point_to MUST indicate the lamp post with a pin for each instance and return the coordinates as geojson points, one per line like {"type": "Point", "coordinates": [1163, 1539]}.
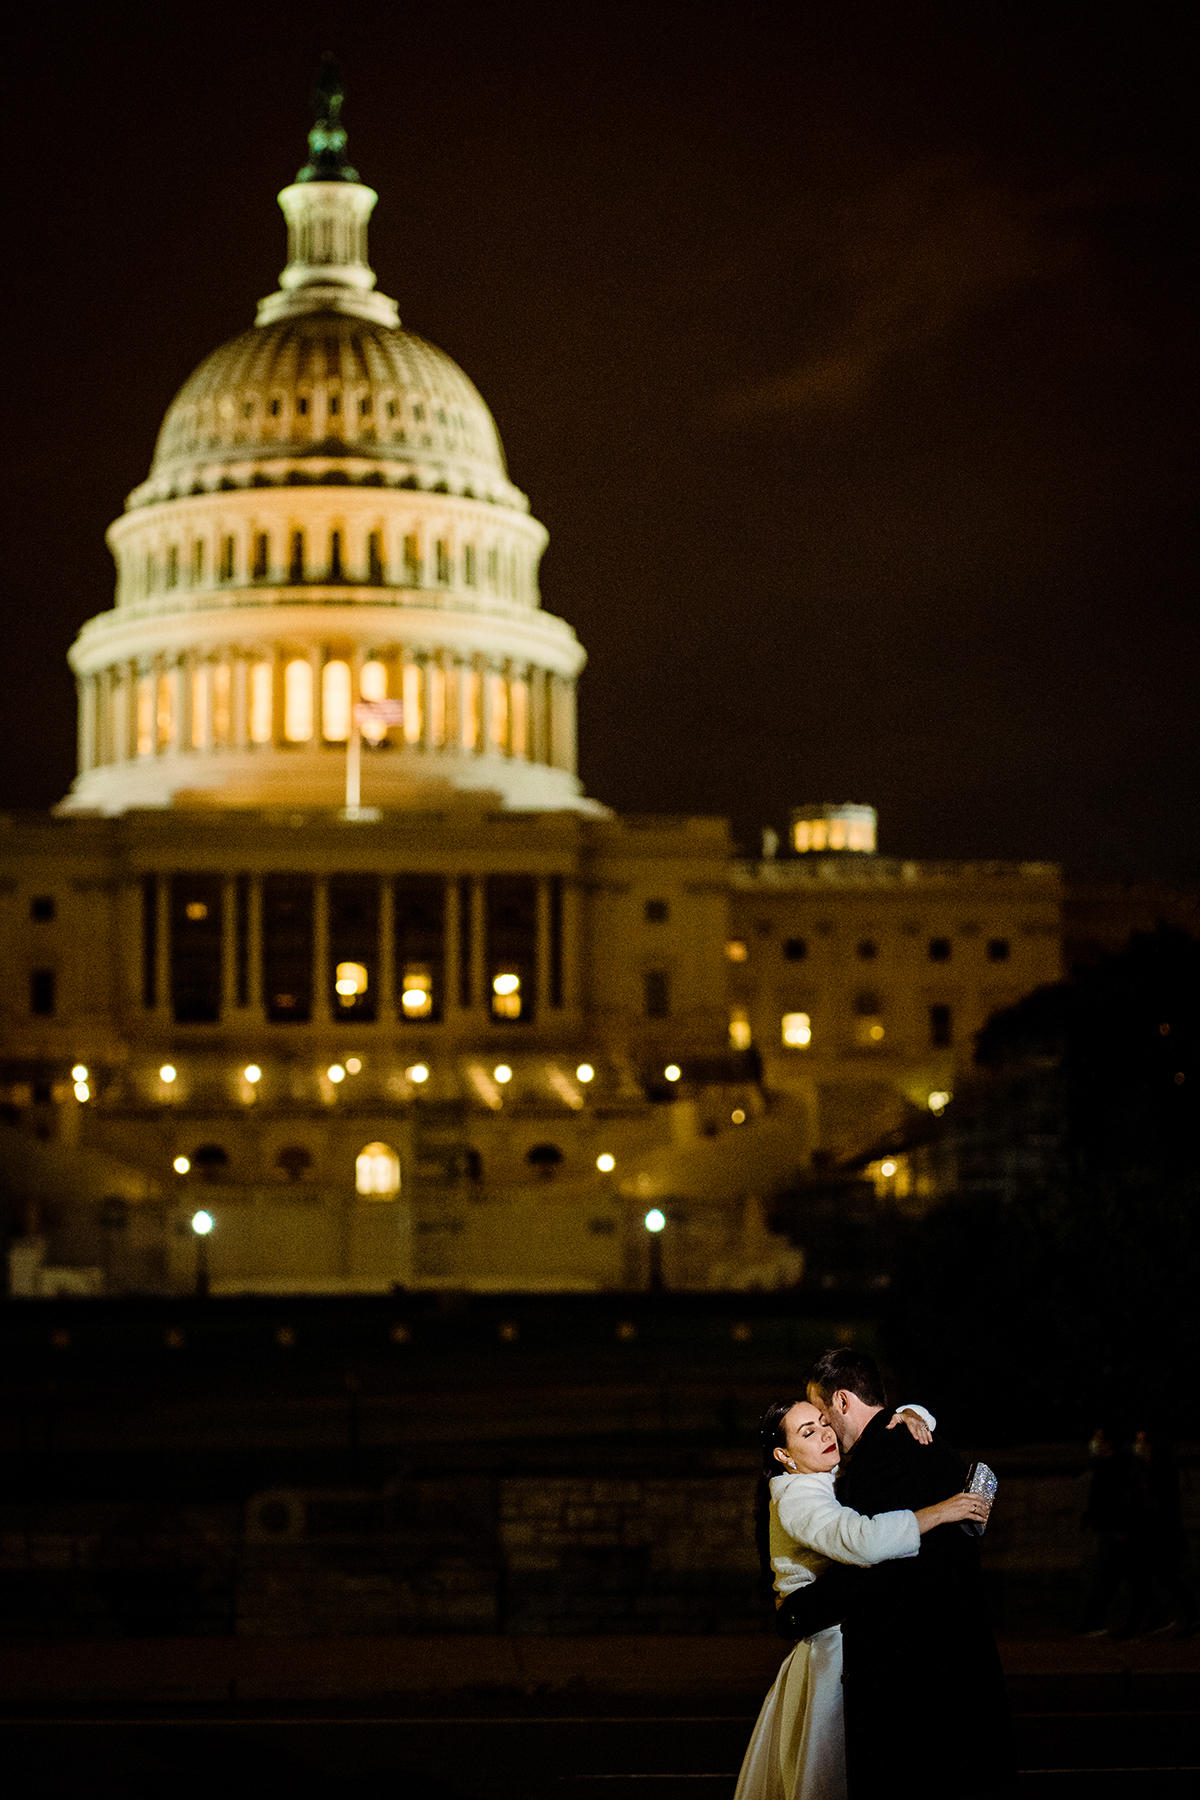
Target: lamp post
{"type": "Point", "coordinates": [202, 1224]}
{"type": "Point", "coordinates": [654, 1222]}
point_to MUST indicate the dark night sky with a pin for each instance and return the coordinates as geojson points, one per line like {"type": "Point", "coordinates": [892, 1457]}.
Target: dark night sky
{"type": "Point", "coordinates": [844, 351]}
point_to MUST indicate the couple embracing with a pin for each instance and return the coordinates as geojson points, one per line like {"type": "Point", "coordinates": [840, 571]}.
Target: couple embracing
{"type": "Point", "coordinates": [895, 1684]}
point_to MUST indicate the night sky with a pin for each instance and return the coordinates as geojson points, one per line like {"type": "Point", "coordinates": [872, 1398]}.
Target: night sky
{"type": "Point", "coordinates": [845, 352]}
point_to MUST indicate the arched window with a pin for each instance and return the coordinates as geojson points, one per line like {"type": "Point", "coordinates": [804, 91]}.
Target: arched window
{"type": "Point", "coordinates": [199, 707]}
{"type": "Point", "coordinates": [335, 702]}
{"type": "Point", "coordinates": [373, 685]}
{"type": "Point", "coordinates": [377, 1172]}
{"type": "Point", "coordinates": [413, 720]}
{"type": "Point", "coordinates": [145, 715]}
{"type": "Point", "coordinates": [297, 701]}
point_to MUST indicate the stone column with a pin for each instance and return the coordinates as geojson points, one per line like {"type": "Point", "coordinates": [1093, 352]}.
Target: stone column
{"type": "Point", "coordinates": [254, 950]}
{"type": "Point", "coordinates": [320, 1008]}
{"type": "Point", "coordinates": [451, 938]}
{"type": "Point", "coordinates": [479, 988]}
{"type": "Point", "coordinates": [162, 966]}
{"type": "Point", "coordinates": [541, 1002]}
{"type": "Point", "coordinates": [229, 923]}
{"type": "Point", "coordinates": [385, 1005]}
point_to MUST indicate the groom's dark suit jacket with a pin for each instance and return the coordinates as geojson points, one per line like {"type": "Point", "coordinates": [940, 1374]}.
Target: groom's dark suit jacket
{"type": "Point", "coordinates": [920, 1660]}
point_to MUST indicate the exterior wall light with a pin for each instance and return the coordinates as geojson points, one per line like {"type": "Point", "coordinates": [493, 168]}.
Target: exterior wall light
{"type": "Point", "coordinates": [336, 1073]}
{"type": "Point", "coordinates": [606, 1163]}
{"type": "Point", "coordinates": [350, 982]}
{"type": "Point", "coordinates": [654, 1220]}
{"type": "Point", "coordinates": [418, 1073]}
{"type": "Point", "coordinates": [887, 1168]}
{"type": "Point", "coordinates": [672, 1071]}
{"type": "Point", "coordinates": [82, 1090]}
{"type": "Point", "coordinates": [738, 1116]}
{"type": "Point", "coordinates": [502, 1073]}
{"type": "Point", "coordinates": [506, 995]}
{"type": "Point", "coordinates": [938, 1101]}
{"type": "Point", "coordinates": [79, 1073]}
{"type": "Point", "coordinates": [797, 1030]}
{"type": "Point", "coordinates": [202, 1223]}
{"type": "Point", "coordinates": [252, 1072]}
{"type": "Point", "coordinates": [585, 1072]}
{"type": "Point", "coordinates": [353, 1065]}
{"type": "Point", "coordinates": [181, 1165]}
{"type": "Point", "coordinates": [167, 1073]}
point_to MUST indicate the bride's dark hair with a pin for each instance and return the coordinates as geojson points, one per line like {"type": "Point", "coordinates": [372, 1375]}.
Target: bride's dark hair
{"type": "Point", "coordinates": [771, 1436]}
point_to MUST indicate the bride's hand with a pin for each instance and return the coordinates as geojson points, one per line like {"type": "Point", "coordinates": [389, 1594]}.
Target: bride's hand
{"type": "Point", "coordinates": [959, 1507]}
{"type": "Point", "coordinates": [915, 1423]}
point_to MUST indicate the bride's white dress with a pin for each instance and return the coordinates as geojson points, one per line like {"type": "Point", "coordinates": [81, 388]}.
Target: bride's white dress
{"type": "Point", "coordinates": [797, 1750]}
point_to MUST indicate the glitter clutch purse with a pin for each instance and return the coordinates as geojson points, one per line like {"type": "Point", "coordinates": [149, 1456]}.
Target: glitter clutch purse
{"type": "Point", "coordinates": [980, 1480]}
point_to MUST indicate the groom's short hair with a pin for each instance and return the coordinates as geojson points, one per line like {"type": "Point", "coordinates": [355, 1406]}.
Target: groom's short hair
{"type": "Point", "coordinates": [851, 1370]}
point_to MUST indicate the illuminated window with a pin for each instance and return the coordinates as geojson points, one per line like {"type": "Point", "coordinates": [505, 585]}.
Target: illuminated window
{"type": "Point", "coordinates": [414, 712]}
{"type": "Point", "coordinates": [998, 949]}
{"type": "Point", "coordinates": [350, 981]}
{"type": "Point", "coordinates": [261, 681]}
{"type": "Point", "coordinates": [797, 1030]}
{"type": "Point", "coordinates": [435, 678]}
{"type": "Point", "coordinates": [335, 702]}
{"type": "Point", "coordinates": [939, 949]}
{"type": "Point", "coordinates": [739, 1029]}
{"type": "Point", "coordinates": [164, 713]}
{"type": "Point", "coordinates": [298, 701]}
{"type": "Point", "coordinates": [837, 834]}
{"type": "Point", "coordinates": [497, 711]}
{"type": "Point", "coordinates": [377, 1171]}
{"type": "Point", "coordinates": [262, 557]}
{"type": "Point", "coordinates": [469, 708]}
{"type": "Point", "coordinates": [656, 912]}
{"type": "Point", "coordinates": [519, 697]}
{"type": "Point", "coordinates": [469, 565]}
{"type": "Point", "coordinates": [222, 712]}
{"type": "Point", "coordinates": [443, 560]}
{"type": "Point", "coordinates": [736, 950]}
{"type": "Point", "coordinates": [412, 562]}
{"type": "Point", "coordinates": [506, 995]}
{"type": "Point", "coordinates": [941, 1027]}
{"type": "Point", "coordinates": [296, 557]}
{"type": "Point", "coordinates": [416, 993]}
{"type": "Point", "coordinates": [145, 715]}
{"type": "Point", "coordinates": [199, 708]}
{"type": "Point", "coordinates": [795, 949]}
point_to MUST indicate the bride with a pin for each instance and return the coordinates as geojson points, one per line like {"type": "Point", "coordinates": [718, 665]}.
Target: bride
{"type": "Point", "coordinates": [797, 1750]}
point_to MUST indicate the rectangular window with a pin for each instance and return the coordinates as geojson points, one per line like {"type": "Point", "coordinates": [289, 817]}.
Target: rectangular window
{"type": "Point", "coordinates": [796, 1030]}
{"type": "Point", "coordinates": [657, 912]}
{"type": "Point", "coordinates": [420, 946]}
{"type": "Point", "coordinates": [353, 976]}
{"type": "Point", "coordinates": [287, 930]}
{"type": "Point", "coordinates": [262, 556]}
{"type": "Point", "coordinates": [412, 563]}
{"type": "Point", "coordinates": [469, 565]}
{"type": "Point", "coordinates": [336, 572]}
{"type": "Point", "coordinates": [465, 903]}
{"type": "Point", "coordinates": [196, 934]}
{"type": "Point", "coordinates": [145, 715]}
{"type": "Point", "coordinates": [493, 567]}
{"type": "Point", "coordinates": [173, 566]}
{"type": "Point", "coordinates": [375, 558]}
{"type": "Point", "coordinates": [511, 925]}
{"type": "Point", "coordinates": [443, 561]}
{"type": "Point", "coordinates": [939, 949]}
{"type": "Point", "coordinates": [262, 681]}
{"type": "Point", "coordinates": [998, 949]}
{"type": "Point", "coordinates": [941, 1027]}
{"type": "Point", "coordinates": [198, 562]}
{"type": "Point", "coordinates": [149, 940]}
{"type": "Point", "coordinates": [497, 693]}
{"type": "Point", "coordinates": [414, 720]}
{"type": "Point", "coordinates": [296, 557]}
{"type": "Point", "coordinates": [165, 714]}
{"type": "Point", "coordinates": [656, 993]}
{"type": "Point", "coordinates": [468, 715]}
{"type": "Point", "coordinates": [222, 709]}
{"type": "Point", "coordinates": [41, 993]}
{"type": "Point", "coordinates": [199, 708]}
{"type": "Point", "coordinates": [227, 559]}
{"type": "Point", "coordinates": [241, 942]}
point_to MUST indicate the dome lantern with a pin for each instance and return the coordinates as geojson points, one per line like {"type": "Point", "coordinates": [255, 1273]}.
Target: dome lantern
{"type": "Point", "coordinates": [327, 209]}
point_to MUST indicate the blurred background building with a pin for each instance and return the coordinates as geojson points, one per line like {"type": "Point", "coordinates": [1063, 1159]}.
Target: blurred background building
{"type": "Point", "coordinates": [449, 1023]}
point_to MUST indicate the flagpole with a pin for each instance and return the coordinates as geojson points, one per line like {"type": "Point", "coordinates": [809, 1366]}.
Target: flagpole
{"type": "Point", "coordinates": [353, 766]}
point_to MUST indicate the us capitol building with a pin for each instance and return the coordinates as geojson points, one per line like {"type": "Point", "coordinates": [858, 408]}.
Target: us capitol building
{"type": "Point", "coordinates": [455, 1024]}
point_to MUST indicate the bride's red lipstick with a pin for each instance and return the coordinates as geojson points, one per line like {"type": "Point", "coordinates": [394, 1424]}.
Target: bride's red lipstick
{"type": "Point", "coordinates": [829, 1450]}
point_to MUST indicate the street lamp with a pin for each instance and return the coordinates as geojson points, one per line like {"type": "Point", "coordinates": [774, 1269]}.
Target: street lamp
{"type": "Point", "coordinates": [202, 1224]}
{"type": "Point", "coordinates": [654, 1221]}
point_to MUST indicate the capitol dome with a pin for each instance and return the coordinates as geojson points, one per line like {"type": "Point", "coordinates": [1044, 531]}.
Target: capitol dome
{"type": "Point", "coordinates": [322, 394]}
{"type": "Point", "coordinates": [327, 549]}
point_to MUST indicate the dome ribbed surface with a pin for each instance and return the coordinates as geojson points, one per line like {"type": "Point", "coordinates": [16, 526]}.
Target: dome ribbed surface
{"type": "Point", "coordinates": [326, 384]}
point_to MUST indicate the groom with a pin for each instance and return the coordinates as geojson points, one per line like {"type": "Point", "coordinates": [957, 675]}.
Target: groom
{"type": "Point", "coordinates": [919, 1659]}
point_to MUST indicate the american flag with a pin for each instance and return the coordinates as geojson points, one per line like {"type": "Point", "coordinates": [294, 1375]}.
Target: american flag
{"type": "Point", "coordinates": [380, 713]}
